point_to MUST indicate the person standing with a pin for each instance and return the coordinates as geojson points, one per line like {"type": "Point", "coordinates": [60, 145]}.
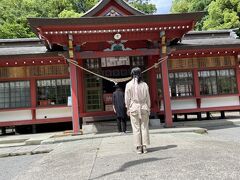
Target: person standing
{"type": "Point", "coordinates": [120, 109]}
{"type": "Point", "coordinates": [137, 100]}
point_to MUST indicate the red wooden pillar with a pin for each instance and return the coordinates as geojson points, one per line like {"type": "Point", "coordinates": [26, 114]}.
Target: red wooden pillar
{"type": "Point", "coordinates": [81, 88]}
{"type": "Point", "coordinates": [33, 98]}
{"type": "Point", "coordinates": [196, 88]}
{"type": "Point", "coordinates": [74, 94]}
{"type": "Point", "coordinates": [153, 84]}
{"type": "Point", "coordinates": [165, 83]}
{"type": "Point", "coordinates": [238, 72]}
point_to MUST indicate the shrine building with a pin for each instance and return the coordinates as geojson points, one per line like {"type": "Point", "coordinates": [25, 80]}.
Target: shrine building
{"type": "Point", "coordinates": [51, 80]}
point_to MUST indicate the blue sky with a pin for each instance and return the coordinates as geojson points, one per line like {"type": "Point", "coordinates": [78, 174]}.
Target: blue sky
{"type": "Point", "coordinates": [163, 6]}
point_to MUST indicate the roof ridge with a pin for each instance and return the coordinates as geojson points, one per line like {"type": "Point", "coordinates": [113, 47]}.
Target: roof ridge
{"type": "Point", "coordinates": [102, 3]}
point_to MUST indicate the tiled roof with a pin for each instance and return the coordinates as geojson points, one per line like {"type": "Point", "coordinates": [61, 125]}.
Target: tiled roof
{"type": "Point", "coordinates": [100, 21]}
{"type": "Point", "coordinates": [103, 3]}
{"type": "Point", "coordinates": [22, 50]}
{"type": "Point", "coordinates": [21, 46]}
{"type": "Point", "coordinates": [209, 39]}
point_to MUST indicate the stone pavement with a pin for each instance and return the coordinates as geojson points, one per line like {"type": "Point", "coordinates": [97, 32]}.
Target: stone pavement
{"type": "Point", "coordinates": [171, 156]}
{"type": "Point", "coordinates": [13, 145]}
{"type": "Point", "coordinates": [41, 143]}
{"type": "Point", "coordinates": [26, 150]}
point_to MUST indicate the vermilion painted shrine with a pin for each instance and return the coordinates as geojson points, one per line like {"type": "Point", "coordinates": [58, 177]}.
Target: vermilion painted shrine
{"type": "Point", "coordinates": [201, 73]}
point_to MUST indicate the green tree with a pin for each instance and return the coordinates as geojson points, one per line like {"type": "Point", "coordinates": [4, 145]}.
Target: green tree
{"type": "Point", "coordinates": [180, 6]}
{"type": "Point", "coordinates": [69, 14]}
{"type": "Point", "coordinates": [144, 6]}
{"type": "Point", "coordinates": [223, 14]}
{"type": "Point", "coordinates": [14, 13]}
{"type": "Point", "coordinates": [220, 14]}
{"type": "Point", "coordinates": [83, 6]}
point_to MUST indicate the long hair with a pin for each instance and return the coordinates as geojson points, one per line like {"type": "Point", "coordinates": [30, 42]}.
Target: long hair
{"type": "Point", "coordinates": [136, 73]}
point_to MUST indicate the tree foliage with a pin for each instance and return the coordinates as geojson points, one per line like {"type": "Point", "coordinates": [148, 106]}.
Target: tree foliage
{"type": "Point", "coordinates": [221, 14]}
{"type": "Point", "coordinates": [14, 13]}
{"type": "Point", "coordinates": [144, 6]}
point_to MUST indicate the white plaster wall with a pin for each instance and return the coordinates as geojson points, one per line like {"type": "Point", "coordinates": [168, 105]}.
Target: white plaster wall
{"type": "Point", "coordinates": [177, 104]}
{"type": "Point", "coordinates": [220, 101]}
{"type": "Point", "coordinates": [53, 113]}
{"type": "Point", "coordinates": [15, 115]}
{"type": "Point", "coordinates": [183, 104]}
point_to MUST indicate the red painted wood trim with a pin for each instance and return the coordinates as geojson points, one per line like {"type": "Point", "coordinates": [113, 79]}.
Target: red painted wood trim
{"type": "Point", "coordinates": [196, 85]}
{"type": "Point", "coordinates": [212, 109]}
{"type": "Point", "coordinates": [223, 108]}
{"type": "Point", "coordinates": [203, 69]}
{"type": "Point", "coordinates": [153, 84]}
{"type": "Point", "coordinates": [37, 121]}
{"type": "Point", "coordinates": [38, 107]}
{"type": "Point", "coordinates": [210, 96]}
{"type": "Point", "coordinates": [238, 77]}
{"type": "Point", "coordinates": [166, 94]}
{"type": "Point", "coordinates": [114, 27]}
{"type": "Point", "coordinates": [210, 52]}
{"type": "Point", "coordinates": [135, 36]}
{"type": "Point", "coordinates": [81, 85]}
{"type": "Point", "coordinates": [97, 54]}
{"type": "Point", "coordinates": [74, 86]}
{"type": "Point", "coordinates": [36, 78]}
{"type": "Point", "coordinates": [75, 110]}
{"type": "Point", "coordinates": [33, 97]}
{"type": "Point", "coordinates": [18, 60]}
{"type": "Point", "coordinates": [33, 93]}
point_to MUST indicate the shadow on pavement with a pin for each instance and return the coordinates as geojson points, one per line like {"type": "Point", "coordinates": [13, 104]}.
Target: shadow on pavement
{"type": "Point", "coordinates": [126, 165]}
{"type": "Point", "coordinates": [161, 148]}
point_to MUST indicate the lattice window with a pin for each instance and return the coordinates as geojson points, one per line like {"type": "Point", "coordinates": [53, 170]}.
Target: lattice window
{"type": "Point", "coordinates": [93, 85]}
{"type": "Point", "coordinates": [15, 94]}
{"type": "Point", "coordinates": [216, 82]}
{"type": "Point", "coordinates": [205, 62]}
{"type": "Point", "coordinates": [4, 72]}
{"type": "Point", "coordinates": [181, 84]}
{"type": "Point", "coordinates": [53, 91]}
{"type": "Point", "coordinates": [22, 72]}
{"type": "Point", "coordinates": [48, 70]}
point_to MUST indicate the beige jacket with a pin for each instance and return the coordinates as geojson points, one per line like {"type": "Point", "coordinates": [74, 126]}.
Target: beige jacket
{"type": "Point", "coordinates": [137, 97]}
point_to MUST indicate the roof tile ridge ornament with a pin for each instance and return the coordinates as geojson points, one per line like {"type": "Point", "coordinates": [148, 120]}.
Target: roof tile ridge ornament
{"type": "Point", "coordinates": [102, 3]}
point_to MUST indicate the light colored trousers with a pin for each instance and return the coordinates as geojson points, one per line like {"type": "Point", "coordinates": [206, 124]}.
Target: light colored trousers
{"type": "Point", "coordinates": [137, 123]}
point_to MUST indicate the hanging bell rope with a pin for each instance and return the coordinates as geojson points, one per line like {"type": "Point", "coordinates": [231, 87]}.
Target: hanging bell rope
{"type": "Point", "coordinates": [116, 80]}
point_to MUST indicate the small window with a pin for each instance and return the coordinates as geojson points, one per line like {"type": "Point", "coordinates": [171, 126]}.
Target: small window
{"type": "Point", "coordinates": [15, 94]}
{"type": "Point", "coordinates": [181, 84]}
{"type": "Point", "coordinates": [53, 92]}
{"type": "Point", "coordinates": [216, 82]}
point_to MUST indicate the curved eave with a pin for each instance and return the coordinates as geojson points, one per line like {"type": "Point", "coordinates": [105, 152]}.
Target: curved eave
{"type": "Point", "coordinates": [120, 20]}
{"type": "Point", "coordinates": [98, 7]}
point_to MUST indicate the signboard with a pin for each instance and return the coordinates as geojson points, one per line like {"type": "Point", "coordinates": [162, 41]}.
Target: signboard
{"type": "Point", "coordinates": [115, 61]}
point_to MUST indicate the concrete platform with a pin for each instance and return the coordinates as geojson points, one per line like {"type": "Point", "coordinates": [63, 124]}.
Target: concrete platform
{"type": "Point", "coordinates": [58, 137]}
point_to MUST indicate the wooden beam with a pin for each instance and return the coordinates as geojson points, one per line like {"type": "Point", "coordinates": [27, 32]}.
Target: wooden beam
{"type": "Point", "coordinates": [165, 83]}
{"type": "Point", "coordinates": [97, 54]}
{"type": "Point", "coordinates": [74, 87]}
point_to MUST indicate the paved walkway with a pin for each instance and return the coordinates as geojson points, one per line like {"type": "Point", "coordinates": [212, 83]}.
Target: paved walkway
{"type": "Point", "coordinates": [183, 156]}
{"type": "Point", "coordinates": [15, 145]}
{"type": "Point", "coordinates": [45, 142]}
